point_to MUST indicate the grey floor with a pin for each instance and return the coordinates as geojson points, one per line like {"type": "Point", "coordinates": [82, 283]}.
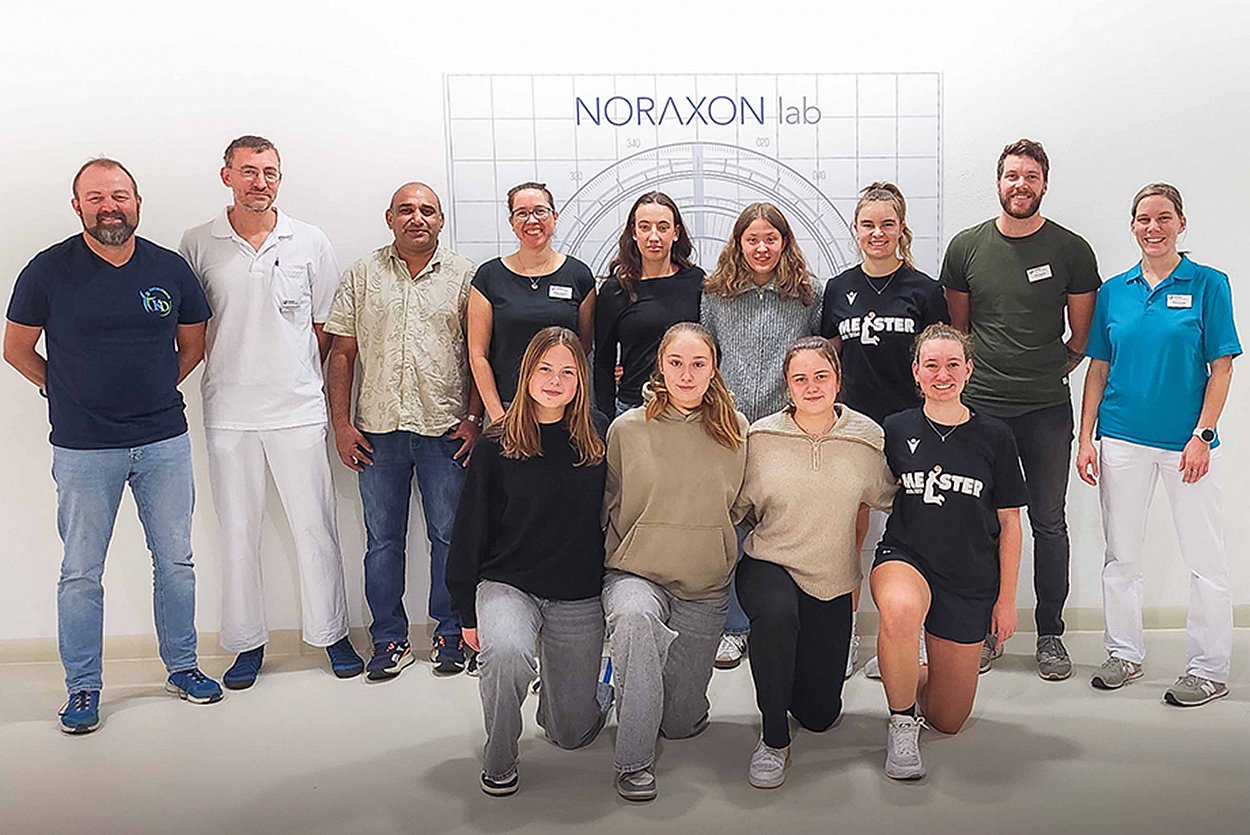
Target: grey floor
{"type": "Point", "coordinates": [304, 752]}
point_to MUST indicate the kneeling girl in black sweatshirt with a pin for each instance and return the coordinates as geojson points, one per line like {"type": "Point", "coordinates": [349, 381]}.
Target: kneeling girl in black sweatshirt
{"type": "Point", "coordinates": [526, 562]}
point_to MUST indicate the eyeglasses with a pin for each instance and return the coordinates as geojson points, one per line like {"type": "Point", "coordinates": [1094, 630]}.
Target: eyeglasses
{"type": "Point", "coordinates": [270, 175]}
{"type": "Point", "coordinates": [540, 214]}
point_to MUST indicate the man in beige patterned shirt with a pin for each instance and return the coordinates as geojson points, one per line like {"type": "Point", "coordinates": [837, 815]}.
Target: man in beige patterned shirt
{"type": "Point", "coordinates": [401, 310]}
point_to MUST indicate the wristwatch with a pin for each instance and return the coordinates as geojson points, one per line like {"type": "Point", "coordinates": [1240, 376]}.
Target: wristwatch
{"type": "Point", "coordinates": [474, 419]}
{"type": "Point", "coordinates": [1206, 434]}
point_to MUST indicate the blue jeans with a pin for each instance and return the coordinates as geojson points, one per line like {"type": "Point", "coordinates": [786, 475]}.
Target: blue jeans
{"type": "Point", "coordinates": [1044, 439]}
{"type": "Point", "coordinates": [736, 620]}
{"type": "Point", "coordinates": [385, 491]}
{"type": "Point", "coordinates": [89, 486]}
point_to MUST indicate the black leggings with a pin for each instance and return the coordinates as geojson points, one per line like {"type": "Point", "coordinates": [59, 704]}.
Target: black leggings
{"type": "Point", "coordinates": [798, 646]}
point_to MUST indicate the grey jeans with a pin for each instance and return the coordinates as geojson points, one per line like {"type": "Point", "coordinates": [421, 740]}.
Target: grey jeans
{"type": "Point", "coordinates": [662, 653]}
{"type": "Point", "coordinates": [568, 635]}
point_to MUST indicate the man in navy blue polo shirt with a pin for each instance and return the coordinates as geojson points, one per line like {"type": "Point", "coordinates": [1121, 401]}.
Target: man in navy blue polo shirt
{"type": "Point", "coordinates": [123, 321]}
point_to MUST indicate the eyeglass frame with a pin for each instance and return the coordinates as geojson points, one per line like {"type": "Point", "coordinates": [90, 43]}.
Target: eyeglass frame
{"type": "Point", "coordinates": [524, 215]}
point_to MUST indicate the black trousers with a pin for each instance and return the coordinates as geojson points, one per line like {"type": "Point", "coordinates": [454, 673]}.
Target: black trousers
{"type": "Point", "coordinates": [798, 646]}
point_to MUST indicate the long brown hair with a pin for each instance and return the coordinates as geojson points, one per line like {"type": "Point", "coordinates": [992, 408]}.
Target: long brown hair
{"type": "Point", "coordinates": [889, 193]}
{"type": "Point", "coordinates": [518, 431]}
{"type": "Point", "coordinates": [732, 275]}
{"type": "Point", "coordinates": [720, 421]}
{"type": "Point", "coordinates": [627, 265]}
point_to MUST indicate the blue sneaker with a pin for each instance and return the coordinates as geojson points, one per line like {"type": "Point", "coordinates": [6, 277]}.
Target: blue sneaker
{"type": "Point", "coordinates": [81, 712]}
{"type": "Point", "coordinates": [344, 660]}
{"type": "Point", "coordinates": [242, 673]}
{"type": "Point", "coordinates": [448, 657]}
{"type": "Point", "coordinates": [389, 660]}
{"type": "Point", "coordinates": [194, 687]}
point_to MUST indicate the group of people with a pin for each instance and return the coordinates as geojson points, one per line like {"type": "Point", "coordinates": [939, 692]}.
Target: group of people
{"type": "Point", "coordinates": [690, 464]}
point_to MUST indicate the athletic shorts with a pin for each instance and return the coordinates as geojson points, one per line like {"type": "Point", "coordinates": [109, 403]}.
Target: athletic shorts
{"type": "Point", "coordinates": [955, 617]}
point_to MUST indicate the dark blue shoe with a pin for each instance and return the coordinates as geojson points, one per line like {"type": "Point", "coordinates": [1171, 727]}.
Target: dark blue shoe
{"type": "Point", "coordinates": [81, 712]}
{"type": "Point", "coordinates": [194, 687]}
{"type": "Point", "coordinates": [448, 656]}
{"type": "Point", "coordinates": [389, 660]}
{"type": "Point", "coordinates": [242, 673]}
{"type": "Point", "coordinates": [343, 659]}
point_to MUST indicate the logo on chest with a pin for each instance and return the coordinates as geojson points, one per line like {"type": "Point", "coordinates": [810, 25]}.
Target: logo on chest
{"type": "Point", "coordinates": [157, 300]}
{"type": "Point", "coordinates": [935, 485]}
{"type": "Point", "coordinates": [869, 327]}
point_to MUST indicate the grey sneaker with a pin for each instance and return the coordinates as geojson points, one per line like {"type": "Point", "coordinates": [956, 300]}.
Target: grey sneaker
{"type": "Point", "coordinates": [991, 651]}
{"type": "Point", "coordinates": [852, 657]}
{"type": "Point", "coordinates": [902, 748]}
{"type": "Point", "coordinates": [1115, 673]}
{"type": "Point", "coordinates": [729, 653]}
{"type": "Point", "coordinates": [1191, 691]}
{"type": "Point", "coordinates": [872, 669]}
{"type": "Point", "coordinates": [768, 766]}
{"type": "Point", "coordinates": [636, 785]}
{"type": "Point", "coordinates": [1053, 663]}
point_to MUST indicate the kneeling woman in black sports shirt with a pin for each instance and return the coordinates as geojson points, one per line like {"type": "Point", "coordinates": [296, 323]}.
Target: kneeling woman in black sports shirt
{"type": "Point", "coordinates": [951, 550]}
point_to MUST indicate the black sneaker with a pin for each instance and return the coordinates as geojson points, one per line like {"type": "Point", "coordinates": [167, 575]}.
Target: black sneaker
{"type": "Point", "coordinates": [500, 788]}
{"type": "Point", "coordinates": [344, 661]}
{"type": "Point", "coordinates": [242, 673]}
{"type": "Point", "coordinates": [388, 660]}
{"type": "Point", "coordinates": [448, 658]}
{"type": "Point", "coordinates": [470, 666]}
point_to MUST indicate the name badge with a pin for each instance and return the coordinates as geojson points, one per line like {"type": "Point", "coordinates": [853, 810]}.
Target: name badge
{"type": "Point", "coordinates": [1181, 300]}
{"type": "Point", "coordinates": [289, 304]}
{"type": "Point", "coordinates": [557, 291]}
{"type": "Point", "coordinates": [1039, 273]}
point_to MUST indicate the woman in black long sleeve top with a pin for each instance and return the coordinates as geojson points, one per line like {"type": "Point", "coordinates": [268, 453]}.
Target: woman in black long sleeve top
{"type": "Point", "coordinates": [652, 285]}
{"type": "Point", "coordinates": [526, 563]}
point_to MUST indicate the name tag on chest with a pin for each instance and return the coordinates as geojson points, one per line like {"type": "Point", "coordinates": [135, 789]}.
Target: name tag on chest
{"type": "Point", "coordinates": [558, 291]}
{"type": "Point", "coordinates": [1039, 273]}
{"type": "Point", "coordinates": [1180, 300]}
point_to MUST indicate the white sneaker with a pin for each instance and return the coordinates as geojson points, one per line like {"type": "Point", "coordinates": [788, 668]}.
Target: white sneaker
{"type": "Point", "coordinates": [852, 657]}
{"type": "Point", "coordinates": [873, 668]}
{"type": "Point", "coordinates": [729, 653]}
{"type": "Point", "coordinates": [902, 748]}
{"type": "Point", "coordinates": [768, 766]}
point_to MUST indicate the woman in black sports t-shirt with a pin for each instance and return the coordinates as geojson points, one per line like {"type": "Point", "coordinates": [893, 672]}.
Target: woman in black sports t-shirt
{"type": "Point", "coordinates": [951, 551]}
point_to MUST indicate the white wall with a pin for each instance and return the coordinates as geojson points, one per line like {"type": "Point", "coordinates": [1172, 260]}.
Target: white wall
{"type": "Point", "coordinates": [1120, 97]}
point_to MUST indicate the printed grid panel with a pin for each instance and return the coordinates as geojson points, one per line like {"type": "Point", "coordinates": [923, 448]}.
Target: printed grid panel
{"type": "Point", "coordinates": [824, 137]}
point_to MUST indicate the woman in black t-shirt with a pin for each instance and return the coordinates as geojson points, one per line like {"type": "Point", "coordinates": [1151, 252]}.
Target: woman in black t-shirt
{"type": "Point", "coordinates": [652, 285]}
{"type": "Point", "coordinates": [872, 313]}
{"type": "Point", "coordinates": [951, 550]}
{"type": "Point", "coordinates": [526, 563]}
{"type": "Point", "coordinates": [515, 296]}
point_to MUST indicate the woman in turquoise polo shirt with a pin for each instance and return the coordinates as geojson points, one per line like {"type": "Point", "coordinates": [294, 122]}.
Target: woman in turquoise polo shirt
{"type": "Point", "coordinates": [1161, 348]}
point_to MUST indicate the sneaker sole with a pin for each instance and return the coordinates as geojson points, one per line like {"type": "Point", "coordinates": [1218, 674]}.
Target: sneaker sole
{"type": "Point", "coordinates": [1172, 700]}
{"type": "Point", "coordinates": [727, 665]}
{"type": "Point", "coordinates": [78, 730]}
{"type": "Point", "coordinates": [237, 684]}
{"type": "Point", "coordinates": [498, 791]}
{"type": "Point", "coordinates": [637, 796]}
{"type": "Point", "coordinates": [1054, 676]}
{"type": "Point", "coordinates": [187, 697]}
{"type": "Point", "coordinates": [908, 774]}
{"type": "Point", "coordinates": [770, 784]}
{"type": "Point", "coordinates": [1100, 684]}
{"type": "Point", "coordinates": [451, 670]}
{"type": "Point", "coordinates": [350, 673]}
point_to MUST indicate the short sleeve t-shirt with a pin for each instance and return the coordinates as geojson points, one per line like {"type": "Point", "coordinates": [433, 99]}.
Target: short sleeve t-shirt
{"type": "Point", "coordinates": [1159, 344]}
{"type": "Point", "coordinates": [637, 327]}
{"type": "Point", "coordinates": [946, 508]}
{"type": "Point", "coordinates": [877, 320]}
{"type": "Point", "coordinates": [524, 305]}
{"type": "Point", "coordinates": [1018, 291]}
{"type": "Point", "coordinates": [112, 367]}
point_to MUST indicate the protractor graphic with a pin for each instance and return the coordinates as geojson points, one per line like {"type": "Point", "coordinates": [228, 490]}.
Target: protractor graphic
{"type": "Point", "coordinates": [711, 184]}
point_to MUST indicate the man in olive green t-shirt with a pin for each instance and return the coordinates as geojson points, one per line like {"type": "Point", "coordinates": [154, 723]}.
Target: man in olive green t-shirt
{"type": "Point", "coordinates": [1009, 282]}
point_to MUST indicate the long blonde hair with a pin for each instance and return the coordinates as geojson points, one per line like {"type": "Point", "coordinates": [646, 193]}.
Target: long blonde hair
{"type": "Point", "coordinates": [720, 421]}
{"type": "Point", "coordinates": [518, 431]}
{"type": "Point", "coordinates": [732, 275]}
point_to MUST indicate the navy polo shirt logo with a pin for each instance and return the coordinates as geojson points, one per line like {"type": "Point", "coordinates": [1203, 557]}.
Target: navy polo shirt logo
{"type": "Point", "coordinates": [157, 300]}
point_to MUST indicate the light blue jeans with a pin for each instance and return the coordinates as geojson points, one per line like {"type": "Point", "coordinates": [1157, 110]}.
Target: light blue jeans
{"type": "Point", "coordinates": [89, 486]}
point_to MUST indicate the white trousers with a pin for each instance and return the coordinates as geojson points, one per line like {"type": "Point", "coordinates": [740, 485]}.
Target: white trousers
{"type": "Point", "coordinates": [1129, 473]}
{"type": "Point", "coordinates": [296, 458]}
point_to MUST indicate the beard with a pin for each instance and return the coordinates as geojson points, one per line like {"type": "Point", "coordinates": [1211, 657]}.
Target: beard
{"type": "Point", "coordinates": [1030, 209]}
{"type": "Point", "coordinates": [111, 235]}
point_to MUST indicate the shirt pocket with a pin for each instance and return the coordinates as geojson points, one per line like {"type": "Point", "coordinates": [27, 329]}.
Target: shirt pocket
{"type": "Point", "coordinates": [292, 293]}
